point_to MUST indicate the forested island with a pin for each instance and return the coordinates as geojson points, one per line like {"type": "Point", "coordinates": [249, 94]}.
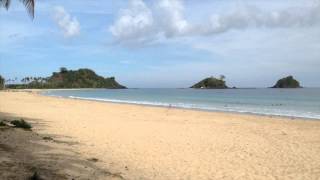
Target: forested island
{"type": "Point", "coordinates": [211, 83]}
{"type": "Point", "coordinates": [81, 78]}
{"type": "Point", "coordinates": [287, 82]}
{"type": "Point", "coordinates": [87, 78]}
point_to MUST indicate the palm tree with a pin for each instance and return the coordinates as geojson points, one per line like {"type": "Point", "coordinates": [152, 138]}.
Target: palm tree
{"type": "Point", "coordinates": [29, 4]}
{"type": "Point", "coordinates": [2, 82]}
{"type": "Point", "coordinates": [222, 77]}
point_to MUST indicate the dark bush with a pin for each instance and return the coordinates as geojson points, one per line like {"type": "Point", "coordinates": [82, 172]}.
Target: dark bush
{"type": "Point", "coordinates": [2, 123]}
{"type": "Point", "coordinates": [35, 176]}
{"type": "Point", "coordinates": [47, 138]}
{"type": "Point", "coordinates": [21, 124]}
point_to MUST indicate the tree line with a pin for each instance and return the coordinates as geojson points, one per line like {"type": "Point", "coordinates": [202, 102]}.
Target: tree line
{"type": "Point", "coordinates": [81, 78]}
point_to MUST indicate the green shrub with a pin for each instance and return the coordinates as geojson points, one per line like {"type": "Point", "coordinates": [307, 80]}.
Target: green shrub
{"type": "Point", "coordinates": [2, 123]}
{"type": "Point", "coordinates": [21, 124]}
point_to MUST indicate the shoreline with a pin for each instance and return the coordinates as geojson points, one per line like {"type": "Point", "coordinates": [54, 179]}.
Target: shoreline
{"type": "Point", "coordinates": [143, 142]}
{"type": "Point", "coordinates": [40, 92]}
{"type": "Point", "coordinates": [190, 109]}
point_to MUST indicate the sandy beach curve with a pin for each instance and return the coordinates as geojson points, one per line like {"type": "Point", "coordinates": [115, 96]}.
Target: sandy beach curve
{"type": "Point", "coordinates": [141, 142]}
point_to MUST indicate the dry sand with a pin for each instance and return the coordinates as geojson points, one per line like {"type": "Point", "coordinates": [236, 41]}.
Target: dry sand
{"type": "Point", "coordinates": [141, 142]}
{"type": "Point", "coordinates": [25, 154]}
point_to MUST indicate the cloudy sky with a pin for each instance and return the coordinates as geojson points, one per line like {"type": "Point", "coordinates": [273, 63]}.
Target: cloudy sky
{"type": "Point", "coordinates": [165, 43]}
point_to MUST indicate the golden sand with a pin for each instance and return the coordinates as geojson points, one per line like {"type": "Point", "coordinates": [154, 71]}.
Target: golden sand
{"type": "Point", "coordinates": [165, 143]}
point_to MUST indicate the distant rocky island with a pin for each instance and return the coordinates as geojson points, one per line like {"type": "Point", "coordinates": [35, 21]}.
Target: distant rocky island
{"type": "Point", "coordinates": [211, 83]}
{"type": "Point", "coordinates": [87, 78]}
{"type": "Point", "coordinates": [287, 82]}
{"type": "Point", "coordinates": [81, 78]}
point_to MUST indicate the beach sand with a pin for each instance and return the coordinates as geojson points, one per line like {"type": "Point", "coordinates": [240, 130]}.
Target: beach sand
{"type": "Point", "coordinates": [25, 154]}
{"type": "Point", "coordinates": [140, 142]}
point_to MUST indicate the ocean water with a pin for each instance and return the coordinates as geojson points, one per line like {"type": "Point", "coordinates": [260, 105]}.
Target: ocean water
{"type": "Point", "coordinates": [303, 102]}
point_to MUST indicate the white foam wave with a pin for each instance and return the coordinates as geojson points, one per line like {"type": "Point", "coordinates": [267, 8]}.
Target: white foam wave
{"type": "Point", "coordinates": [273, 112]}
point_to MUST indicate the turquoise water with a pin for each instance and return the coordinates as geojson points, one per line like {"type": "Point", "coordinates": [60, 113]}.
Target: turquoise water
{"type": "Point", "coordinates": [303, 102]}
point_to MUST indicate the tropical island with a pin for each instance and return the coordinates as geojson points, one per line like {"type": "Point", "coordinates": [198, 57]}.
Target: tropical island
{"type": "Point", "coordinates": [287, 82]}
{"type": "Point", "coordinates": [211, 83]}
{"type": "Point", "coordinates": [208, 133]}
{"type": "Point", "coordinates": [81, 78]}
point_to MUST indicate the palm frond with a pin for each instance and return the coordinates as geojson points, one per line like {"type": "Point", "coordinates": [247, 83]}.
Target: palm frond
{"type": "Point", "coordinates": [29, 4]}
{"type": "Point", "coordinates": [5, 3]}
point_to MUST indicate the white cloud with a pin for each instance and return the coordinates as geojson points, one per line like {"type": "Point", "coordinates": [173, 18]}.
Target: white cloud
{"type": "Point", "coordinates": [171, 17]}
{"type": "Point", "coordinates": [166, 19]}
{"type": "Point", "coordinates": [68, 25]}
{"type": "Point", "coordinates": [251, 16]}
{"type": "Point", "coordinates": [135, 23]}
{"type": "Point", "coordinates": [140, 24]}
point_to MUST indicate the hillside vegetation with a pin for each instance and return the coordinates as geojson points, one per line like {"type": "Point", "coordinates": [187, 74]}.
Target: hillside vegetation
{"type": "Point", "coordinates": [82, 78]}
{"type": "Point", "coordinates": [287, 82]}
{"type": "Point", "coordinates": [211, 83]}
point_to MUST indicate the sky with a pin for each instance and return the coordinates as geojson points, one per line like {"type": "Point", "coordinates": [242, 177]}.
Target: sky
{"type": "Point", "coordinates": [165, 43]}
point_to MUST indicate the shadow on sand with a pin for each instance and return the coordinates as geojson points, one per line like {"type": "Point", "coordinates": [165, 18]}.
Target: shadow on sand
{"type": "Point", "coordinates": [26, 154]}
